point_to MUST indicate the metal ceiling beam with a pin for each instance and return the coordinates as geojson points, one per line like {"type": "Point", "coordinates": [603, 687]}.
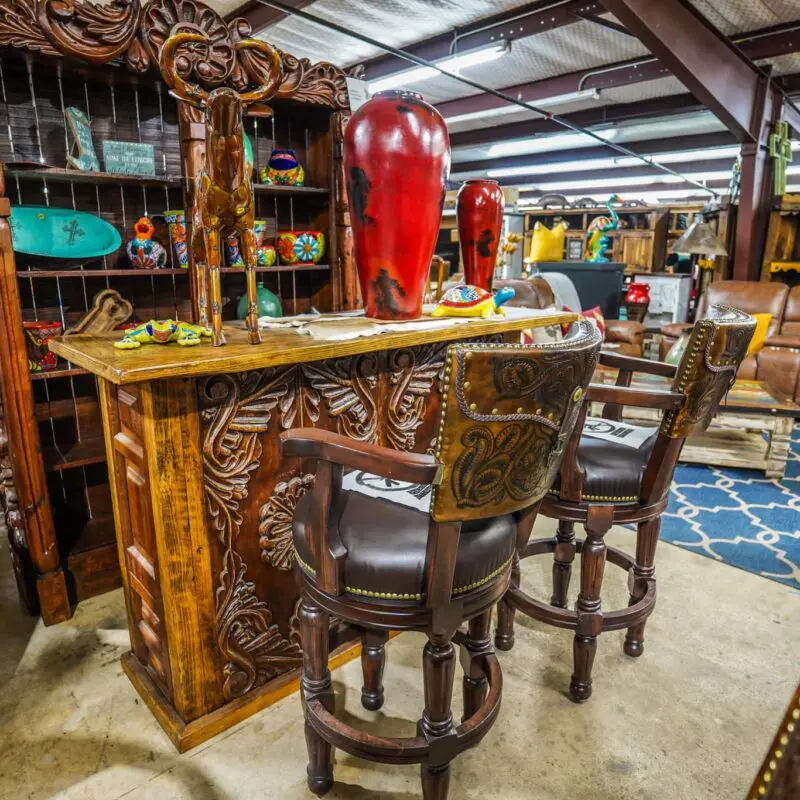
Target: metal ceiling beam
{"type": "Point", "coordinates": [626, 192]}
{"type": "Point", "coordinates": [705, 61]}
{"type": "Point", "coordinates": [659, 106]}
{"type": "Point", "coordinates": [604, 23]}
{"type": "Point", "coordinates": [695, 142]}
{"type": "Point", "coordinates": [528, 20]}
{"type": "Point", "coordinates": [765, 43]}
{"type": "Point", "coordinates": [260, 16]}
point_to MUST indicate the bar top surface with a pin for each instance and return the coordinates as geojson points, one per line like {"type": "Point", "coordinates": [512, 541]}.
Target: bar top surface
{"type": "Point", "coordinates": [280, 347]}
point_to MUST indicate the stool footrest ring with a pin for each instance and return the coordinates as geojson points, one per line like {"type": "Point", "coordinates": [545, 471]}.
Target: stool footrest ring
{"type": "Point", "coordinates": [564, 618]}
{"type": "Point", "coordinates": [408, 750]}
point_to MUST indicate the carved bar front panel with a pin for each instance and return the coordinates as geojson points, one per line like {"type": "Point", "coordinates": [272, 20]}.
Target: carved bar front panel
{"type": "Point", "coordinates": [389, 397]}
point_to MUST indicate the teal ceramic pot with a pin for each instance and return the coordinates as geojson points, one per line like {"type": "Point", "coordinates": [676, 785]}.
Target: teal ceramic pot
{"type": "Point", "coordinates": [268, 303]}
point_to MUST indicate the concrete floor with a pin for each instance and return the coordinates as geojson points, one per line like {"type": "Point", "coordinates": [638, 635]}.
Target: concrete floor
{"type": "Point", "coordinates": [690, 720]}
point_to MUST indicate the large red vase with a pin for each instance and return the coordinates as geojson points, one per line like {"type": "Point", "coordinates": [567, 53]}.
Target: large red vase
{"type": "Point", "coordinates": [397, 159]}
{"type": "Point", "coordinates": [480, 218]}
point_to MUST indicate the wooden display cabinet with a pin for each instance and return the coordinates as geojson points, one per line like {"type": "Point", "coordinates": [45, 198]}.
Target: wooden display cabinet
{"type": "Point", "coordinates": [53, 463]}
{"type": "Point", "coordinates": [638, 245]}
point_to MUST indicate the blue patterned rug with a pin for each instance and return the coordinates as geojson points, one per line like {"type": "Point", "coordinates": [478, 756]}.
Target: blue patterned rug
{"type": "Point", "coordinates": [739, 517]}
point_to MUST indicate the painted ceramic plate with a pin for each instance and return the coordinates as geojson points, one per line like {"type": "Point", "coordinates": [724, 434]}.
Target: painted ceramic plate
{"type": "Point", "coordinates": [62, 233]}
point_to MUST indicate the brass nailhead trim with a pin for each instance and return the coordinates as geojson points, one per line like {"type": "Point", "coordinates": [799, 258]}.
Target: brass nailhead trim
{"type": "Point", "coordinates": [597, 496]}
{"type": "Point", "coordinates": [391, 596]}
{"type": "Point", "coordinates": [777, 754]}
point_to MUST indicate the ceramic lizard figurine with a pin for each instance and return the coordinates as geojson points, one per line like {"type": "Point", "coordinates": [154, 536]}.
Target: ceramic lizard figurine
{"type": "Point", "coordinates": [161, 332]}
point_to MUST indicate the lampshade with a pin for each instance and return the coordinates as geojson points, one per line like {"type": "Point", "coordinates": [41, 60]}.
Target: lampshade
{"type": "Point", "coordinates": [699, 240]}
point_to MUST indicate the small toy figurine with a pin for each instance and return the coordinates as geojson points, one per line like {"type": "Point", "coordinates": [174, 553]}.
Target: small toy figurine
{"type": "Point", "coordinates": [598, 241]}
{"type": "Point", "coordinates": [163, 331]}
{"type": "Point", "coordinates": [472, 301]}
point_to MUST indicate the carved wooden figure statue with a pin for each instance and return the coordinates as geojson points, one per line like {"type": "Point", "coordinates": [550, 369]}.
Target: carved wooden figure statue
{"type": "Point", "coordinates": [223, 202]}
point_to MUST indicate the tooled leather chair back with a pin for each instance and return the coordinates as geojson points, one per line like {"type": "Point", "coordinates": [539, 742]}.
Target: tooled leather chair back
{"type": "Point", "coordinates": [507, 414]}
{"type": "Point", "coordinates": [717, 346]}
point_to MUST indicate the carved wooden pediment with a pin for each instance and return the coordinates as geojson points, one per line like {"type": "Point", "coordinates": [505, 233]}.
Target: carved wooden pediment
{"type": "Point", "coordinates": [133, 31]}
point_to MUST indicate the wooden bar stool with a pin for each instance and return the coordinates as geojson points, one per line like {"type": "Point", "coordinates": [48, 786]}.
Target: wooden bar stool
{"type": "Point", "coordinates": [602, 483]}
{"type": "Point", "coordinates": [507, 414]}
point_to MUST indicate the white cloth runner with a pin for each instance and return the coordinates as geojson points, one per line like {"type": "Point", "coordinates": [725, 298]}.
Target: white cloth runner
{"type": "Point", "coordinates": [353, 324]}
{"type": "Point", "coordinates": [633, 436]}
{"type": "Point", "coordinates": [413, 495]}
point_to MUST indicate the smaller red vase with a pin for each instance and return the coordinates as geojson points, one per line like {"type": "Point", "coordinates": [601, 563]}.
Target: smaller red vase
{"type": "Point", "coordinates": [480, 218]}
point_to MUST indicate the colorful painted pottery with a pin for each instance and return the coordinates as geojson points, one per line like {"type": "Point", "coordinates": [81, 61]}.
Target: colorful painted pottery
{"type": "Point", "coordinates": [143, 251]}
{"type": "Point", "coordinates": [37, 335]}
{"type": "Point", "coordinates": [62, 233]}
{"type": "Point", "coordinates": [266, 256]}
{"type": "Point", "coordinates": [177, 234]}
{"type": "Point", "coordinates": [397, 160]}
{"type": "Point", "coordinates": [472, 301]}
{"type": "Point", "coordinates": [283, 169]}
{"type": "Point", "coordinates": [268, 303]}
{"type": "Point", "coordinates": [301, 247]}
{"type": "Point", "coordinates": [479, 209]}
{"type": "Point", "coordinates": [233, 253]}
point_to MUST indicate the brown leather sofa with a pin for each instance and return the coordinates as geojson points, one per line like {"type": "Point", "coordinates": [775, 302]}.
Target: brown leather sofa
{"type": "Point", "coordinates": [535, 292]}
{"type": "Point", "coordinates": [778, 362]}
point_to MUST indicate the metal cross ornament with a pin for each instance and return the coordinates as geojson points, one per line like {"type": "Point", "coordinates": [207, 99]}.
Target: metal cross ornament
{"type": "Point", "coordinates": [780, 149]}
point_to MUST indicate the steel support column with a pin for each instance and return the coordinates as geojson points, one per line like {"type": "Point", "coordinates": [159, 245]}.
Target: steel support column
{"type": "Point", "coordinates": [755, 192]}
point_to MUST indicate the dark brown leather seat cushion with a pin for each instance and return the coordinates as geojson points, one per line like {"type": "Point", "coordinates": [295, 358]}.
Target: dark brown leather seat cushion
{"type": "Point", "coordinates": [386, 544]}
{"type": "Point", "coordinates": [613, 472]}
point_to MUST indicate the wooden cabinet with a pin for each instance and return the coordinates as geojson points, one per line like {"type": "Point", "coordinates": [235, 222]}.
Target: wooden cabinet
{"type": "Point", "coordinates": [635, 250]}
{"type": "Point", "coordinates": [55, 486]}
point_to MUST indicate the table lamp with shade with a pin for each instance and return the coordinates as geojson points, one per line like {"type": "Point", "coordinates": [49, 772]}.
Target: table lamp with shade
{"type": "Point", "coordinates": [701, 243]}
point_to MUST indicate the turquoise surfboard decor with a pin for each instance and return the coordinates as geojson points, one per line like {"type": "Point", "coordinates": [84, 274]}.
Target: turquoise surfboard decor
{"type": "Point", "coordinates": [62, 233]}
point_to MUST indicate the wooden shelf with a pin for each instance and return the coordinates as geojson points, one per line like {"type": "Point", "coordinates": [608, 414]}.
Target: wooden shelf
{"type": "Point", "coordinates": [61, 371]}
{"type": "Point", "coordinates": [97, 532]}
{"type": "Point", "coordinates": [279, 268]}
{"type": "Point", "coordinates": [96, 273]}
{"type": "Point", "coordinates": [133, 273]}
{"type": "Point", "coordinates": [62, 175]}
{"type": "Point", "coordinates": [78, 454]}
{"type": "Point", "coordinates": [263, 188]}
{"type": "Point", "coordinates": [66, 409]}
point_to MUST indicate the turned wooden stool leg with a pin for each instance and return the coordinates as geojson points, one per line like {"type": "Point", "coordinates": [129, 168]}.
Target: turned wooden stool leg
{"type": "Point", "coordinates": [438, 667]}
{"type": "Point", "coordinates": [590, 616]}
{"type": "Point", "coordinates": [477, 643]}
{"type": "Point", "coordinates": [643, 571]}
{"type": "Point", "coordinates": [373, 660]}
{"type": "Point", "coordinates": [315, 684]}
{"type": "Point", "coordinates": [563, 555]}
{"type": "Point", "coordinates": [504, 633]}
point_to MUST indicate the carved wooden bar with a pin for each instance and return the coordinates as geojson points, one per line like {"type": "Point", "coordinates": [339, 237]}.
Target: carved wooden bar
{"type": "Point", "coordinates": [203, 503]}
{"type": "Point", "coordinates": [103, 58]}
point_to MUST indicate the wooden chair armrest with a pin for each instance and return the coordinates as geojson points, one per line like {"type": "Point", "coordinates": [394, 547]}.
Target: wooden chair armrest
{"type": "Point", "coordinates": [640, 398]}
{"type": "Point", "coordinates": [338, 449]}
{"type": "Point", "coordinates": [634, 364]}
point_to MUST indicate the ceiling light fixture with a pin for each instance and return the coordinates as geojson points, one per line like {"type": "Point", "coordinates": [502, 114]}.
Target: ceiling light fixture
{"type": "Point", "coordinates": [612, 183]}
{"type": "Point", "coordinates": [590, 164]}
{"type": "Point", "coordinates": [544, 102]}
{"type": "Point", "coordinates": [543, 144]}
{"type": "Point", "coordinates": [452, 64]}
